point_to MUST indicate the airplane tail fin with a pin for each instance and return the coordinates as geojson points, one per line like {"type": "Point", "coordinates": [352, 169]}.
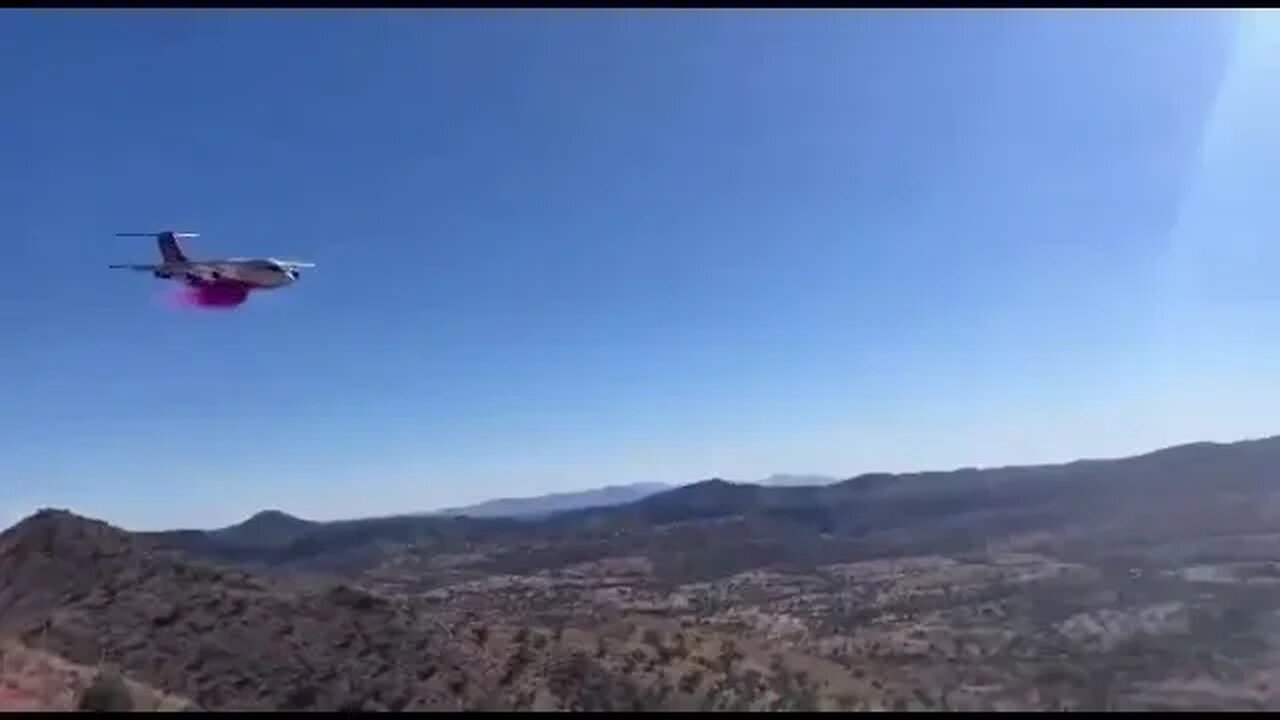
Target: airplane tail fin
{"type": "Point", "coordinates": [170, 250]}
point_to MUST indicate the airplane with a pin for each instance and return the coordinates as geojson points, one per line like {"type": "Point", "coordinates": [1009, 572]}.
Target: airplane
{"type": "Point", "coordinates": [221, 283]}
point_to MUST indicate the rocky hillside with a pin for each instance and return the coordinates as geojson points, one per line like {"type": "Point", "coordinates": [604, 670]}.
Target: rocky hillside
{"type": "Point", "coordinates": [224, 638]}
{"type": "Point", "coordinates": [1142, 583]}
{"type": "Point", "coordinates": [32, 679]}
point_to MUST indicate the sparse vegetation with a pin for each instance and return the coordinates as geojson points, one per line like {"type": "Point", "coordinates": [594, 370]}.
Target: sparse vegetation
{"type": "Point", "coordinates": [949, 603]}
{"type": "Point", "coordinates": [107, 693]}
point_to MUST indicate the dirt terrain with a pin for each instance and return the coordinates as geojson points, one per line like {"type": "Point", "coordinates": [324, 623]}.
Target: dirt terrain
{"type": "Point", "coordinates": [1144, 583]}
{"type": "Point", "coordinates": [31, 679]}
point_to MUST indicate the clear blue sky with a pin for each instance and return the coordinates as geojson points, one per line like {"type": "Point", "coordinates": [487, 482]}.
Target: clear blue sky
{"type": "Point", "coordinates": [564, 249]}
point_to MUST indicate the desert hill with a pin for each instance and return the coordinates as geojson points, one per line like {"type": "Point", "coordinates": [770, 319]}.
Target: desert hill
{"type": "Point", "coordinates": [88, 592]}
{"type": "Point", "coordinates": [1137, 583]}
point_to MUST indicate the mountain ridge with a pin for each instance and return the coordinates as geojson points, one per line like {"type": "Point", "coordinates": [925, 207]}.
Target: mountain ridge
{"type": "Point", "coordinates": [539, 505]}
{"type": "Point", "coordinates": [869, 503]}
{"type": "Point", "coordinates": [970, 502]}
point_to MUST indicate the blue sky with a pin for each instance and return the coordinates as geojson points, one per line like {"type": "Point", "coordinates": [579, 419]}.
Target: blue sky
{"type": "Point", "coordinates": [564, 249]}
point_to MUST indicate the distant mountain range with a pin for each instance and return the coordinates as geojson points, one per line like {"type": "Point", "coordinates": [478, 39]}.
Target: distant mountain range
{"type": "Point", "coordinates": [275, 531]}
{"type": "Point", "coordinates": [797, 480]}
{"type": "Point", "coordinates": [1165, 492]}
{"type": "Point", "coordinates": [275, 527]}
{"type": "Point", "coordinates": [557, 502]}
{"type": "Point", "coordinates": [542, 505]}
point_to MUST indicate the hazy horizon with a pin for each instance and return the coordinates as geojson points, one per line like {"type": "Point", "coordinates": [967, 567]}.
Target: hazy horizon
{"type": "Point", "coordinates": [562, 250]}
{"type": "Point", "coordinates": [161, 525]}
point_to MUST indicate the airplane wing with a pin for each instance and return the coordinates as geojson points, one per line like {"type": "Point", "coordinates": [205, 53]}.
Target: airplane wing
{"type": "Point", "coordinates": [205, 266]}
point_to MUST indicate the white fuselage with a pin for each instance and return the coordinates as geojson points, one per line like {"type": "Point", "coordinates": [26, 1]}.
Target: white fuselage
{"type": "Point", "coordinates": [259, 274]}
